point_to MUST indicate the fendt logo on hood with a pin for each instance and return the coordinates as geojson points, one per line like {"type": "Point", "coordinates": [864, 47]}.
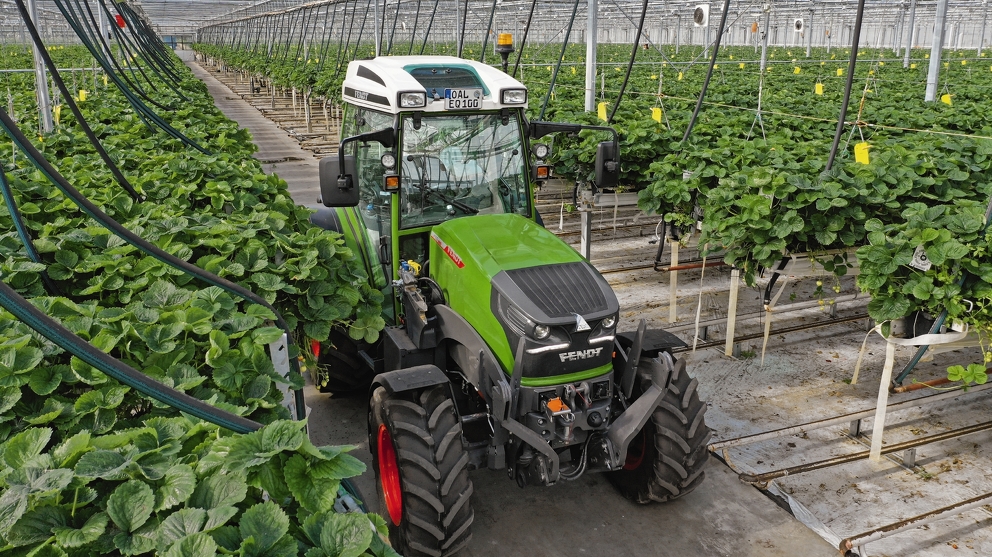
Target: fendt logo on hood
{"type": "Point", "coordinates": [580, 354]}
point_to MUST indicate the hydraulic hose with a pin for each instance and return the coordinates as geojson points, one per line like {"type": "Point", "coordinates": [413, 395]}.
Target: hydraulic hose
{"type": "Point", "coordinates": [57, 78]}
{"type": "Point", "coordinates": [150, 249]}
{"type": "Point", "coordinates": [630, 65]}
{"type": "Point", "coordinates": [57, 333]}
{"type": "Point", "coordinates": [709, 72]}
{"type": "Point", "coordinates": [847, 86]}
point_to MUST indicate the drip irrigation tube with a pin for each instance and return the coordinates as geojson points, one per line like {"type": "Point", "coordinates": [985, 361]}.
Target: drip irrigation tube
{"type": "Point", "coordinates": [150, 249]}
{"type": "Point", "coordinates": [709, 71]}
{"type": "Point", "coordinates": [849, 82]}
{"type": "Point", "coordinates": [630, 64]}
{"type": "Point", "coordinates": [22, 232]}
{"type": "Point", "coordinates": [67, 96]}
{"type": "Point", "coordinates": [53, 330]}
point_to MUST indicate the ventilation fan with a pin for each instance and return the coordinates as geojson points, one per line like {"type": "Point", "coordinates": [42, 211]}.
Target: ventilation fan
{"type": "Point", "coordinates": [799, 25]}
{"type": "Point", "coordinates": [701, 15]}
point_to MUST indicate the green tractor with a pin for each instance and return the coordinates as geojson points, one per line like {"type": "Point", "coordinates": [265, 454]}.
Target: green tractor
{"type": "Point", "coordinates": [501, 349]}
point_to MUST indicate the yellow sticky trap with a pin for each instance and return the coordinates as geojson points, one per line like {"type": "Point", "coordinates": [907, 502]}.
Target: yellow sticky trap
{"type": "Point", "coordinates": [768, 69]}
{"type": "Point", "coordinates": [964, 62]}
{"type": "Point", "coordinates": [946, 99]}
{"type": "Point", "coordinates": [104, 80]}
{"type": "Point", "coordinates": [731, 56]}
{"type": "Point", "coordinates": [840, 72]}
{"type": "Point", "coordinates": [716, 66]}
{"type": "Point", "coordinates": [680, 76]}
{"type": "Point", "coordinates": [741, 65]}
{"type": "Point", "coordinates": [833, 56]}
{"type": "Point", "coordinates": [601, 111]}
{"type": "Point", "coordinates": [549, 68]}
{"type": "Point", "coordinates": [818, 89]}
{"type": "Point", "coordinates": [82, 95]}
{"type": "Point", "coordinates": [656, 114]}
{"type": "Point", "coordinates": [880, 63]}
{"type": "Point", "coordinates": [797, 70]}
{"type": "Point", "coordinates": [654, 77]}
{"type": "Point", "coordinates": [927, 56]}
{"type": "Point", "coordinates": [947, 64]}
{"type": "Point", "coordinates": [823, 63]}
{"type": "Point", "coordinates": [861, 153]}
{"type": "Point", "coordinates": [912, 66]}
{"type": "Point", "coordinates": [573, 70]}
{"type": "Point", "coordinates": [57, 113]}
{"type": "Point", "coordinates": [871, 72]}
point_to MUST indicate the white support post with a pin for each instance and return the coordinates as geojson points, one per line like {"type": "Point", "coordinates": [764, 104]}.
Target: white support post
{"type": "Point", "coordinates": [673, 286]}
{"type": "Point", "coordinates": [985, 18]}
{"type": "Point", "coordinates": [936, 48]}
{"type": "Point", "coordinates": [40, 76]}
{"type": "Point", "coordinates": [591, 32]}
{"type": "Point", "coordinates": [735, 276]}
{"type": "Point", "coordinates": [585, 234]}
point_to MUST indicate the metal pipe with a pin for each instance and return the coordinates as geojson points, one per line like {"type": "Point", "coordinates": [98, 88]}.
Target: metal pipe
{"type": "Point", "coordinates": [592, 9]}
{"type": "Point", "coordinates": [909, 36]}
{"type": "Point", "coordinates": [40, 77]}
{"type": "Point", "coordinates": [861, 455]}
{"type": "Point", "coordinates": [842, 419]}
{"type": "Point", "coordinates": [985, 18]}
{"type": "Point", "coordinates": [918, 386]}
{"type": "Point", "coordinates": [764, 38]}
{"type": "Point", "coordinates": [689, 266]}
{"type": "Point", "coordinates": [780, 331]}
{"type": "Point", "coordinates": [915, 522]}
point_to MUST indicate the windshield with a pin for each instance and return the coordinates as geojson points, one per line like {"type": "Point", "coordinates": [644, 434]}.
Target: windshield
{"type": "Point", "coordinates": [462, 164]}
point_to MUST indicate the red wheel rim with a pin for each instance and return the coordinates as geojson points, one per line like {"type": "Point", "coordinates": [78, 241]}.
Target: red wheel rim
{"type": "Point", "coordinates": [389, 475]}
{"type": "Point", "coordinates": [635, 453]}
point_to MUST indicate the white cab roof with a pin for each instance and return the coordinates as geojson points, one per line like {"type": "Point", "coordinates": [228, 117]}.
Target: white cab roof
{"type": "Point", "coordinates": [377, 83]}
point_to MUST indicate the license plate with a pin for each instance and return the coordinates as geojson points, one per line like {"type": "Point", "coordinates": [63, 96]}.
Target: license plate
{"type": "Point", "coordinates": [462, 99]}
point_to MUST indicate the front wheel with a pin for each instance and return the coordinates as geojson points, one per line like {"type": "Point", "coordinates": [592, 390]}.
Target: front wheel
{"type": "Point", "coordinates": [667, 457]}
{"type": "Point", "coordinates": [421, 469]}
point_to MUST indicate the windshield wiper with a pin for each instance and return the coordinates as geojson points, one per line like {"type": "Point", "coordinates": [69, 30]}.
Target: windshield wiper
{"type": "Point", "coordinates": [466, 208]}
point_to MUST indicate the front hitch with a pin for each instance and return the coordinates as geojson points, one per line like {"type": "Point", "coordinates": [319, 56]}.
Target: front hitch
{"type": "Point", "coordinates": [623, 430]}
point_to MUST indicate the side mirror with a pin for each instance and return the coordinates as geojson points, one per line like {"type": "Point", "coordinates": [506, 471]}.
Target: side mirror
{"type": "Point", "coordinates": [607, 165]}
{"type": "Point", "coordinates": [331, 193]}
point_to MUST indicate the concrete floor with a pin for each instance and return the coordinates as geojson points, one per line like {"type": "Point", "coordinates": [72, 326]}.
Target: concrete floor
{"type": "Point", "coordinates": [722, 517]}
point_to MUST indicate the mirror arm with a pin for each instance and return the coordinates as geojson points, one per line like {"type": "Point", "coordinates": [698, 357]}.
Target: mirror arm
{"type": "Point", "coordinates": [385, 136]}
{"type": "Point", "coordinates": [537, 130]}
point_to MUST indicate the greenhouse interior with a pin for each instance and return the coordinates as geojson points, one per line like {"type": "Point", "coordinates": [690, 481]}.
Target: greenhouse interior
{"type": "Point", "coordinates": [414, 277]}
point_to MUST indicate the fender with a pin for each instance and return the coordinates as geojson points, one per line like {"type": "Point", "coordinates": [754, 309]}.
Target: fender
{"type": "Point", "coordinates": [408, 379]}
{"type": "Point", "coordinates": [327, 218]}
{"type": "Point", "coordinates": [475, 354]}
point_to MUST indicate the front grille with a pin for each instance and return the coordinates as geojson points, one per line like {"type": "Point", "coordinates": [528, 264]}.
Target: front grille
{"type": "Point", "coordinates": [561, 290]}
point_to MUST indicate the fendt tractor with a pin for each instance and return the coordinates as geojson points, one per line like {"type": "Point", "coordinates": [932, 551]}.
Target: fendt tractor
{"type": "Point", "coordinates": [501, 349]}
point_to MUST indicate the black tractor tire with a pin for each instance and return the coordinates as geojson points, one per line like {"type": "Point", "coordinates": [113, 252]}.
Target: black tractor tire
{"type": "Point", "coordinates": [341, 370]}
{"type": "Point", "coordinates": [666, 459]}
{"type": "Point", "coordinates": [436, 514]}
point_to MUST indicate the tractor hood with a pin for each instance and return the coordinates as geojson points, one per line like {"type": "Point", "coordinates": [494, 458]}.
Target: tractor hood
{"type": "Point", "coordinates": [506, 274]}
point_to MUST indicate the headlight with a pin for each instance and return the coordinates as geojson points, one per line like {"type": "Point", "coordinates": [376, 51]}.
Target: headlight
{"type": "Point", "coordinates": [513, 96]}
{"type": "Point", "coordinates": [541, 151]}
{"type": "Point", "coordinates": [388, 160]}
{"type": "Point", "coordinates": [609, 322]}
{"type": "Point", "coordinates": [413, 100]}
{"type": "Point", "coordinates": [541, 332]}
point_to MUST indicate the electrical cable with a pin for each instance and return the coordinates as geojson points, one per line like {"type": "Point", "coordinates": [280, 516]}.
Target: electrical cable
{"type": "Point", "coordinates": [22, 309]}
{"type": "Point", "coordinates": [630, 64]}
{"type": "Point", "coordinates": [554, 75]}
{"type": "Point", "coordinates": [57, 78]}
{"type": "Point", "coordinates": [67, 189]}
{"type": "Point", "coordinates": [709, 72]}
{"type": "Point", "coordinates": [849, 82]}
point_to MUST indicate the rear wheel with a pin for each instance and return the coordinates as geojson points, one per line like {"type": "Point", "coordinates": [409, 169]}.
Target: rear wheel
{"type": "Point", "coordinates": [421, 470]}
{"type": "Point", "coordinates": [666, 458]}
{"type": "Point", "coordinates": [341, 370]}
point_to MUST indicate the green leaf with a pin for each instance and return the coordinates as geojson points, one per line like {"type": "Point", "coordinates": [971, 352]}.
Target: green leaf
{"type": "Point", "coordinates": [313, 496]}
{"type": "Point", "coordinates": [265, 523]}
{"type": "Point", "coordinates": [219, 490]}
{"type": "Point", "coordinates": [45, 380]}
{"type": "Point", "coordinates": [25, 446]}
{"type": "Point", "coordinates": [177, 486]}
{"type": "Point", "coordinates": [37, 526]}
{"type": "Point", "coordinates": [94, 527]}
{"type": "Point", "coordinates": [346, 535]}
{"type": "Point", "coordinates": [197, 545]}
{"type": "Point", "coordinates": [130, 505]}
{"type": "Point", "coordinates": [12, 508]}
{"type": "Point", "coordinates": [218, 517]}
{"type": "Point", "coordinates": [71, 447]}
{"type": "Point", "coordinates": [339, 468]}
{"type": "Point", "coordinates": [266, 335]}
{"type": "Point", "coordinates": [178, 525]}
{"type": "Point", "coordinates": [162, 294]}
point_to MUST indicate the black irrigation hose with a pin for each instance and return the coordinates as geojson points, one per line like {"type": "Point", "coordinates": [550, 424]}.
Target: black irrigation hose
{"type": "Point", "coordinates": [554, 75]}
{"type": "Point", "coordinates": [57, 78]}
{"type": "Point", "coordinates": [140, 108]}
{"type": "Point", "coordinates": [847, 87]}
{"type": "Point", "coordinates": [709, 72]}
{"type": "Point", "coordinates": [57, 333]}
{"type": "Point", "coordinates": [485, 39]}
{"type": "Point", "coordinates": [523, 42]}
{"type": "Point", "coordinates": [392, 33]}
{"type": "Point", "coordinates": [413, 34]}
{"type": "Point", "coordinates": [133, 239]}
{"type": "Point", "coordinates": [22, 232]}
{"type": "Point", "coordinates": [430, 25]}
{"type": "Point", "coordinates": [461, 37]}
{"type": "Point", "coordinates": [630, 65]}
